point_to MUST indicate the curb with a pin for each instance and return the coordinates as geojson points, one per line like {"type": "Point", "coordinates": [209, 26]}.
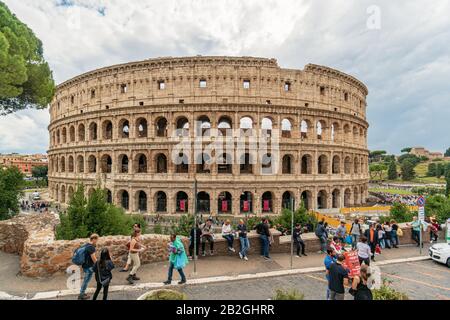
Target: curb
{"type": "Point", "coordinates": [156, 285]}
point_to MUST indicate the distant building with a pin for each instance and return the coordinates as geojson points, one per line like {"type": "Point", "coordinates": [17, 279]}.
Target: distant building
{"type": "Point", "coordinates": [422, 152]}
{"type": "Point", "coordinates": [25, 163]}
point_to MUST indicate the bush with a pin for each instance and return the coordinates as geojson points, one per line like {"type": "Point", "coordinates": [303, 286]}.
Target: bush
{"type": "Point", "coordinates": [164, 294]}
{"type": "Point", "coordinates": [386, 292]}
{"type": "Point", "coordinates": [301, 216]}
{"type": "Point", "coordinates": [94, 215]}
{"type": "Point", "coordinates": [292, 294]}
{"type": "Point", "coordinates": [400, 213]}
{"type": "Point", "coordinates": [438, 206]}
{"type": "Point", "coordinates": [11, 184]}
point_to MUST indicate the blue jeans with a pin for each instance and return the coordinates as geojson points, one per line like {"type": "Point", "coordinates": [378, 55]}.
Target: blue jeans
{"type": "Point", "coordinates": [230, 239]}
{"type": "Point", "coordinates": [323, 244]}
{"type": "Point", "coordinates": [355, 239]}
{"type": "Point", "coordinates": [264, 245]}
{"type": "Point", "coordinates": [245, 245]}
{"type": "Point", "coordinates": [88, 273]}
{"type": "Point", "coordinates": [382, 243]}
{"type": "Point", "coordinates": [394, 238]}
{"type": "Point", "coordinates": [170, 273]}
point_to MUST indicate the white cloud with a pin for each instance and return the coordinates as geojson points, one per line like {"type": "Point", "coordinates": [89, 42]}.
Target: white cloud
{"type": "Point", "coordinates": [405, 64]}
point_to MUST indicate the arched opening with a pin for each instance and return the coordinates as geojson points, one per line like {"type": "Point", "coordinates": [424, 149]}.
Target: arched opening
{"type": "Point", "coordinates": [335, 132]}
{"type": "Point", "coordinates": [69, 193]}
{"type": "Point", "coordinates": [203, 163]}
{"type": "Point", "coordinates": [72, 134]}
{"type": "Point", "coordinates": [161, 201]}
{"type": "Point", "coordinates": [183, 127]}
{"type": "Point", "coordinates": [356, 196]}
{"type": "Point", "coordinates": [266, 164]}
{"type": "Point", "coordinates": [56, 193]}
{"type": "Point", "coordinates": [306, 165]}
{"type": "Point", "coordinates": [286, 200]}
{"type": "Point", "coordinates": [58, 136]}
{"type": "Point", "coordinates": [347, 198]}
{"type": "Point", "coordinates": [306, 197]}
{"type": "Point", "coordinates": [161, 163]}
{"type": "Point", "coordinates": [246, 202]}
{"type": "Point", "coordinates": [287, 164]}
{"type": "Point", "coordinates": [142, 201]}
{"type": "Point", "coordinates": [124, 126]}
{"type": "Point", "coordinates": [107, 129]}
{"type": "Point", "coordinates": [286, 128]}
{"type": "Point", "coordinates": [161, 127]}
{"type": "Point", "coordinates": [109, 196]}
{"type": "Point", "coordinates": [355, 134]}
{"type": "Point", "coordinates": [363, 197]}
{"type": "Point", "coordinates": [183, 165]}
{"type": "Point", "coordinates": [63, 194]}
{"type": "Point", "coordinates": [64, 135]}
{"type": "Point", "coordinates": [106, 164]}
{"type": "Point", "coordinates": [267, 126]}
{"type": "Point", "coordinates": [71, 166]}
{"type": "Point", "coordinates": [246, 166]}
{"type": "Point", "coordinates": [80, 164]}
{"type": "Point", "coordinates": [347, 165]}
{"type": "Point", "coordinates": [322, 199]}
{"type": "Point", "coordinates": [92, 164]}
{"type": "Point", "coordinates": [267, 202]}
{"type": "Point", "coordinates": [322, 165]}
{"type": "Point", "coordinates": [336, 165]}
{"type": "Point", "coordinates": [224, 203]}
{"type": "Point", "coordinates": [93, 131]}
{"type": "Point", "coordinates": [141, 128]}
{"type": "Point", "coordinates": [225, 125]}
{"type": "Point", "coordinates": [336, 201]}
{"type": "Point", "coordinates": [203, 126]}
{"type": "Point", "coordinates": [356, 165]}
{"type": "Point", "coordinates": [182, 202]}
{"type": "Point", "coordinates": [224, 164]}
{"type": "Point", "coordinates": [124, 199]}
{"type": "Point", "coordinates": [63, 164]}
{"type": "Point", "coordinates": [246, 126]}
{"type": "Point", "coordinates": [203, 202]}
{"type": "Point", "coordinates": [347, 132]}
{"type": "Point", "coordinates": [123, 161]}
{"type": "Point", "coordinates": [81, 132]}
{"type": "Point", "coordinates": [141, 163]}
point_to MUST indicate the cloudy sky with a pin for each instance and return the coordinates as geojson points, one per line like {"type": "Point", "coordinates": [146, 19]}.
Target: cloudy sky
{"type": "Point", "coordinates": [403, 56]}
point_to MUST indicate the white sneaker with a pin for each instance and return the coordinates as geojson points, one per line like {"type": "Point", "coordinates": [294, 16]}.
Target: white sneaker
{"type": "Point", "coordinates": [232, 250]}
{"type": "Point", "coordinates": [240, 255]}
{"type": "Point", "coordinates": [245, 258]}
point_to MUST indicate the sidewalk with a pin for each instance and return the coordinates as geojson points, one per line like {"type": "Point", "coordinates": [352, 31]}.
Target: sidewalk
{"type": "Point", "coordinates": [207, 267]}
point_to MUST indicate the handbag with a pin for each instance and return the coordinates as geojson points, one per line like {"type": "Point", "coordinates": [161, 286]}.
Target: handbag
{"type": "Point", "coordinates": [399, 232]}
{"type": "Point", "coordinates": [105, 282]}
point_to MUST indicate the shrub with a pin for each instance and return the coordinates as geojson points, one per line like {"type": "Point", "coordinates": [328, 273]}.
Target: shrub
{"type": "Point", "coordinates": [400, 212]}
{"type": "Point", "coordinates": [291, 294]}
{"type": "Point", "coordinates": [157, 229]}
{"type": "Point", "coordinates": [301, 216]}
{"type": "Point", "coordinates": [164, 294]}
{"type": "Point", "coordinates": [386, 292]}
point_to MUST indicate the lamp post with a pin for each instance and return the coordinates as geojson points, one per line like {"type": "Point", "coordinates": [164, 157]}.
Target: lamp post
{"type": "Point", "coordinates": [195, 226]}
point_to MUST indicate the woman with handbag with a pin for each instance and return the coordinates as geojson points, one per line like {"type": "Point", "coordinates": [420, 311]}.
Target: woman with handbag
{"type": "Point", "coordinates": [102, 270]}
{"type": "Point", "coordinates": [359, 288]}
{"type": "Point", "coordinates": [177, 259]}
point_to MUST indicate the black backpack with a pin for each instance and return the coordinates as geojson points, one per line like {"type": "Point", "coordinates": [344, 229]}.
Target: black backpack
{"type": "Point", "coordinates": [259, 228]}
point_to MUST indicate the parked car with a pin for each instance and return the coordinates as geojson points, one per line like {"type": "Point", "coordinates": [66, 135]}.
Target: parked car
{"type": "Point", "coordinates": [440, 252]}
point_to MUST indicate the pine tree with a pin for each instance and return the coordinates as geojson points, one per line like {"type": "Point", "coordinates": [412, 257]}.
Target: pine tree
{"type": "Point", "coordinates": [392, 171]}
{"type": "Point", "coordinates": [407, 170]}
{"type": "Point", "coordinates": [431, 170]}
{"type": "Point", "coordinates": [447, 180]}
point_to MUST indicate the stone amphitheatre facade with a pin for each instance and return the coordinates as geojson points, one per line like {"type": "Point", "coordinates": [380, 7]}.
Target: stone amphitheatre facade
{"type": "Point", "coordinates": [116, 127]}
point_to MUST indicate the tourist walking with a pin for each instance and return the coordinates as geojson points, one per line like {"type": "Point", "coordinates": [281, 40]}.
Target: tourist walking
{"type": "Point", "coordinates": [194, 239]}
{"type": "Point", "coordinates": [359, 289]}
{"type": "Point", "coordinates": [364, 251]}
{"type": "Point", "coordinates": [341, 231]}
{"type": "Point", "coordinates": [177, 259]}
{"type": "Point", "coordinates": [227, 234]}
{"type": "Point", "coordinates": [329, 259]}
{"type": "Point", "coordinates": [89, 260]}
{"type": "Point", "coordinates": [355, 232]}
{"type": "Point", "coordinates": [103, 275]}
{"type": "Point", "coordinates": [207, 236]}
{"type": "Point", "coordinates": [297, 237]}
{"type": "Point", "coordinates": [372, 239]}
{"type": "Point", "coordinates": [394, 234]}
{"type": "Point", "coordinates": [265, 236]}
{"type": "Point", "coordinates": [243, 239]}
{"type": "Point", "coordinates": [322, 234]}
{"type": "Point", "coordinates": [338, 279]}
{"type": "Point", "coordinates": [135, 248]}
{"type": "Point", "coordinates": [136, 227]}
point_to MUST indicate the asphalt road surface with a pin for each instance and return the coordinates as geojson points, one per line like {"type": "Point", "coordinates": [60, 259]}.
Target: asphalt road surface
{"type": "Point", "coordinates": [423, 280]}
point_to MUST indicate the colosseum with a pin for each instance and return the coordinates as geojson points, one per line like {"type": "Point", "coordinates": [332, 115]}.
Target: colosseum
{"type": "Point", "coordinates": [118, 127]}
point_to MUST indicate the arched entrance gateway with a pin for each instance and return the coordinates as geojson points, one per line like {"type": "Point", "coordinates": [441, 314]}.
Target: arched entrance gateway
{"type": "Point", "coordinates": [267, 202]}
{"type": "Point", "coordinates": [203, 202]}
{"type": "Point", "coordinates": [287, 200]}
{"type": "Point", "coordinates": [224, 203]}
{"type": "Point", "coordinates": [246, 202]}
{"type": "Point", "coordinates": [182, 202]}
{"type": "Point", "coordinates": [322, 199]}
{"type": "Point", "coordinates": [142, 201]}
{"type": "Point", "coordinates": [306, 199]}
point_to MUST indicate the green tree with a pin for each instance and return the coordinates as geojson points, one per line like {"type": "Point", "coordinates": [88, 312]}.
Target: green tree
{"type": "Point", "coordinates": [376, 170]}
{"type": "Point", "coordinates": [406, 150]}
{"type": "Point", "coordinates": [447, 185]}
{"type": "Point", "coordinates": [25, 77]}
{"type": "Point", "coordinates": [41, 174]}
{"type": "Point", "coordinates": [438, 206]}
{"type": "Point", "coordinates": [407, 170]}
{"type": "Point", "coordinates": [432, 167]}
{"type": "Point", "coordinates": [392, 171]}
{"type": "Point", "coordinates": [413, 158]}
{"type": "Point", "coordinates": [376, 155]}
{"type": "Point", "coordinates": [301, 215]}
{"type": "Point", "coordinates": [11, 185]}
{"type": "Point", "coordinates": [400, 212]}
{"type": "Point", "coordinates": [440, 170]}
{"type": "Point", "coordinates": [447, 153]}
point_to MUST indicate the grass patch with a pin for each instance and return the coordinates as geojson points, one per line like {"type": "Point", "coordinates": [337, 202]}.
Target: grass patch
{"type": "Point", "coordinates": [392, 191]}
{"type": "Point", "coordinates": [292, 294]}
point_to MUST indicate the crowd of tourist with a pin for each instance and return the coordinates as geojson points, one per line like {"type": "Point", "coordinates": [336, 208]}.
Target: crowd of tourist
{"type": "Point", "coordinates": [390, 198]}
{"type": "Point", "coordinates": [34, 206]}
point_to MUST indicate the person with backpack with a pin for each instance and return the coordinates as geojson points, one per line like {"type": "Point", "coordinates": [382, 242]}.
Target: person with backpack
{"type": "Point", "coordinates": [264, 235]}
{"type": "Point", "coordinates": [321, 233]}
{"type": "Point", "coordinates": [394, 234]}
{"type": "Point", "coordinates": [355, 232]}
{"type": "Point", "coordinates": [86, 256]}
{"type": "Point", "coordinates": [338, 276]}
{"type": "Point", "coordinates": [177, 259]}
{"type": "Point", "coordinates": [136, 227]}
{"type": "Point", "coordinates": [103, 276]}
{"type": "Point", "coordinates": [135, 248]}
{"type": "Point", "coordinates": [297, 237]}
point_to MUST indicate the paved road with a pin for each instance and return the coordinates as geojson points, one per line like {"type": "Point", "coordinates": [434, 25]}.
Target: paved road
{"type": "Point", "coordinates": [419, 280]}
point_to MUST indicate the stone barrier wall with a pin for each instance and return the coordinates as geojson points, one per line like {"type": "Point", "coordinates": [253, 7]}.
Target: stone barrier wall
{"type": "Point", "coordinates": [33, 238]}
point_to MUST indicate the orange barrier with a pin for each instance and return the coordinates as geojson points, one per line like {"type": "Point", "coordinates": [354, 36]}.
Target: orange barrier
{"type": "Point", "coordinates": [333, 222]}
{"type": "Point", "coordinates": [371, 209]}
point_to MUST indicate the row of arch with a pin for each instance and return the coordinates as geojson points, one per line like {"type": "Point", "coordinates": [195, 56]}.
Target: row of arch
{"type": "Point", "coordinates": [139, 200]}
{"type": "Point", "coordinates": [123, 129]}
{"type": "Point", "coordinates": [124, 163]}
